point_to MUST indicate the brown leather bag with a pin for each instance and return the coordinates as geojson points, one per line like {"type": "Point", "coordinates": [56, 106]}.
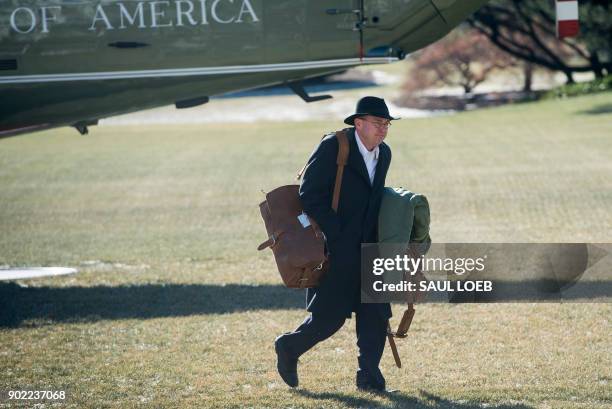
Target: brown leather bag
{"type": "Point", "coordinates": [296, 240]}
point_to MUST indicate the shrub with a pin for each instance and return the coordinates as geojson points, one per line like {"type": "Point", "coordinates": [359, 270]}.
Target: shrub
{"type": "Point", "coordinates": [581, 88]}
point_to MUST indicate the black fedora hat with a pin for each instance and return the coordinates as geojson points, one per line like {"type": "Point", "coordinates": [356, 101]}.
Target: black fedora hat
{"type": "Point", "coordinates": [370, 106]}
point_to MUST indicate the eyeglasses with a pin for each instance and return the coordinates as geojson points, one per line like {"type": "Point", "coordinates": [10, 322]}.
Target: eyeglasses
{"type": "Point", "coordinates": [378, 124]}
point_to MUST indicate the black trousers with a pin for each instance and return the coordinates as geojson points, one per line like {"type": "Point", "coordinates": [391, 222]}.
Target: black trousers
{"type": "Point", "coordinates": [371, 329]}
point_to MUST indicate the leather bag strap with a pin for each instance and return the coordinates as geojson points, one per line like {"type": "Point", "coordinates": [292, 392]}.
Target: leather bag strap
{"type": "Point", "coordinates": [271, 242]}
{"type": "Point", "coordinates": [398, 361]}
{"type": "Point", "coordinates": [341, 159]}
{"type": "Point", "coordinates": [301, 172]}
{"type": "Point", "coordinates": [343, 152]}
{"type": "Point", "coordinates": [402, 332]}
{"type": "Point", "coordinates": [404, 325]}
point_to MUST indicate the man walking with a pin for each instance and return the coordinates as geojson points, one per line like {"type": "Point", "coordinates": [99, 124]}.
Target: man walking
{"type": "Point", "coordinates": [338, 294]}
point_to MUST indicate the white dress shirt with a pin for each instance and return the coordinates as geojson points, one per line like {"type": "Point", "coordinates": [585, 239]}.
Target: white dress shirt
{"type": "Point", "coordinates": [369, 157]}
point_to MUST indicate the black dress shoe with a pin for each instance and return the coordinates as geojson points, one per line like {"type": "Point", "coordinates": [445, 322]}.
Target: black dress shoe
{"type": "Point", "coordinates": [286, 365]}
{"type": "Point", "coordinates": [368, 387]}
{"type": "Point", "coordinates": [368, 383]}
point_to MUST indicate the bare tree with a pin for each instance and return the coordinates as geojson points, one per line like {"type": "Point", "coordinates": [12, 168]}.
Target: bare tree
{"type": "Point", "coordinates": [463, 58]}
{"type": "Point", "coordinates": [526, 30]}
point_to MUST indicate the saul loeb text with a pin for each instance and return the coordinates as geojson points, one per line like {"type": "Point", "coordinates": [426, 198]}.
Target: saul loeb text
{"type": "Point", "coordinates": [448, 286]}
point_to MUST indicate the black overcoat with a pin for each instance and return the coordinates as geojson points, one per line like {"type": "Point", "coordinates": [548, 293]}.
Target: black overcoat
{"type": "Point", "coordinates": [355, 222]}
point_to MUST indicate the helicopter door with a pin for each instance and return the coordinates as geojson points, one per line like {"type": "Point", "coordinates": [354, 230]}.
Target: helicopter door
{"type": "Point", "coordinates": [335, 29]}
{"type": "Point", "coordinates": [411, 24]}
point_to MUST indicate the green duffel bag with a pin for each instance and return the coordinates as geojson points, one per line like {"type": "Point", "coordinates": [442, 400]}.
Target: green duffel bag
{"type": "Point", "coordinates": [403, 217]}
{"type": "Point", "coordinates": [403, 228]}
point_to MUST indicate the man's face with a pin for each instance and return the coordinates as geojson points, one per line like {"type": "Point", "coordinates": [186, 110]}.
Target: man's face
{"type": "Point", "coordinates": [372, 130]}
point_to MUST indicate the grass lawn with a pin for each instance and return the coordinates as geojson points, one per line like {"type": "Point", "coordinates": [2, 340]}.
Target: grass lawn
{"type": "Point", "coordinates": [174, 307]}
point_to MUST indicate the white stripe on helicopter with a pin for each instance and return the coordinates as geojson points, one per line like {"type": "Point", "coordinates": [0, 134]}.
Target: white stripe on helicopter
{"type": "Point", "coordinates": [185, 72]}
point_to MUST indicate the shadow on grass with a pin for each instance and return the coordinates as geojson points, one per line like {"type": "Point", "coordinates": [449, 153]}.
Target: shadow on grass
{"type": "Point", "coordinates": [402, 400]}
{"type": "Point", "coordinates": [86, 304]}
{"type": "Point", "coordinates": [599, 110]}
